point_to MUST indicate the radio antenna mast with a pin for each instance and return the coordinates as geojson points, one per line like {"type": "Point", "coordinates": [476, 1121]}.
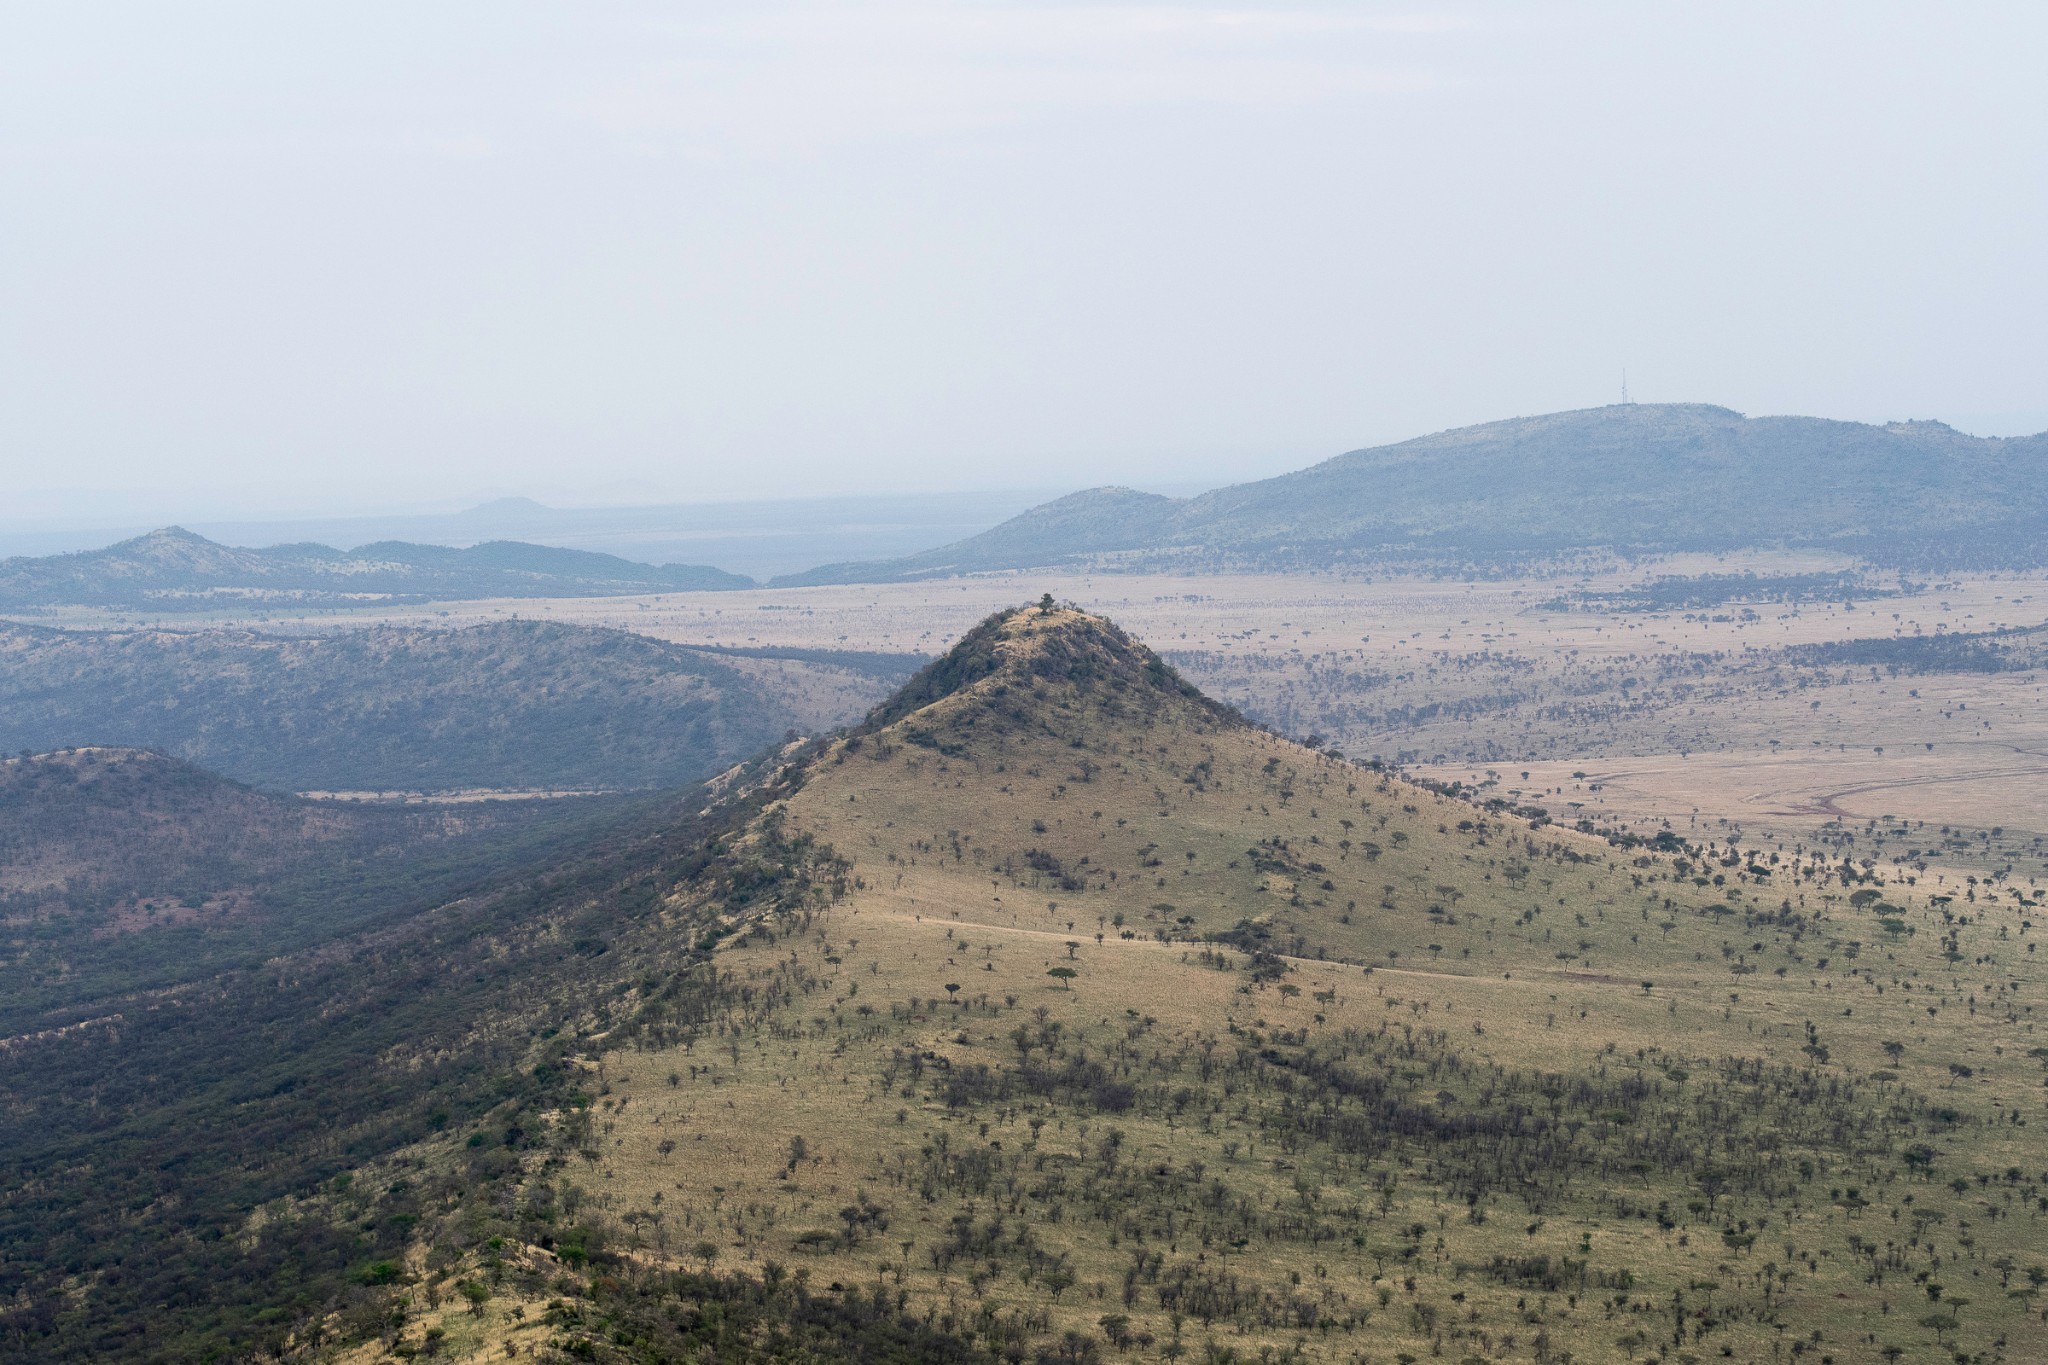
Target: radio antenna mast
{"type": "Point", "coordinates": [1625, 399]}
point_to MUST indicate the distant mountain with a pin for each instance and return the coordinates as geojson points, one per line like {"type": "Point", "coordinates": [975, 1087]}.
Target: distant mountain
{"type": "Point", "coordinates": [175, 570]}
{"type": "Point", "coordinates": [513, 704]}
{"type": "Point", "coordinates": [1645, 478]}
{"type": "Point", "coordinates": [760, 538]}
{"type": "Point", "coordinates": [1098, 521]}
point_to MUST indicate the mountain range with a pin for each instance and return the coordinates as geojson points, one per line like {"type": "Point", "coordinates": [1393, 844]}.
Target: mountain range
{"type": "Point", "coordinates": [1631, 478]}
{"type": "Point", "coordinates": [761, 538]}
{"type": "Point", "coordinates": [1642, 478]}
{"type": "Point", "coordinates": [174, 570]}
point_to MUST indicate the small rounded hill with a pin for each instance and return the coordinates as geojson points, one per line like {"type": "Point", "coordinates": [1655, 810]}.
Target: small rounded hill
{"type": "Point", "coordinates": [1049, 668]}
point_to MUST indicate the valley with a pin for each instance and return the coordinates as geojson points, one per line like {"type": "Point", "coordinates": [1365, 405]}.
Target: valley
{"type": "Point", "coordinates": [125, 872]}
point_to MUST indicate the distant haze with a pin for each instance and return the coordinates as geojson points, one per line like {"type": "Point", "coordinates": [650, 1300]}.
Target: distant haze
{"type": "Point", "coordinates": [269, 261]}
{"type": "Point", "coordinates": [1637, 477]}
{"type": "Point", "coordinates": [762, 539]}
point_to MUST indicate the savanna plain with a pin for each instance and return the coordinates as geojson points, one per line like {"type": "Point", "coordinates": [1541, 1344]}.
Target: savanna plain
{"type": "Point", "coordinates": [1634, 963]}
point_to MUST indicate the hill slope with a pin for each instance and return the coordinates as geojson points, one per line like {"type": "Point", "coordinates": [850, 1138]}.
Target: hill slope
{"type": "Point", "coordinates": [1138, 1022]}
{"type": "Point", "coordinates": [175, 570]}
{"type": "Point", "coordinates": [123, 869]}
{"type": "Point", "coordinates": [513, 704]}
{"type": "Point", "coordinates": [1071, 1014]}
{"type": "Point", "coordinates": [1649, 477]}
{"type": "Point", "coordinates": [191, 1138]}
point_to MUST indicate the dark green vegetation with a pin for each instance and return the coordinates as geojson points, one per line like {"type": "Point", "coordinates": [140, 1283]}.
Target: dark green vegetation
{"type": "Point", "coordinates": [1642, 478]}
{"type": "Point", "coordinates": [739, 1320]}
{"type": "Point", "coordinates": [514, 704]}
{"type": "Point", "coordinates": [142, 1131]}
{"type": "Point", "coordinates": [123, 870]}
{"type": "Point", "coordinates": [1981, 651]}
{"type": "Point", "coordinates": [1352, 1192]}
{"type": "Point", "coordinates": [173, 570]}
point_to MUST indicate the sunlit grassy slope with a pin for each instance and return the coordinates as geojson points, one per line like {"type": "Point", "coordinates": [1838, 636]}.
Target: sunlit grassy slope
{"type": "Point", "coordinates": [1143, 1026]}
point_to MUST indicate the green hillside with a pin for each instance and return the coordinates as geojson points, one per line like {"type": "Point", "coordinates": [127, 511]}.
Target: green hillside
{"type": "Point", "coordinates": [188, 1097]}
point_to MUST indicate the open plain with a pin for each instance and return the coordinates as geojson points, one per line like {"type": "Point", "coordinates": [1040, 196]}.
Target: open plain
{"type": "Point", "coordinates": [1704, 713]}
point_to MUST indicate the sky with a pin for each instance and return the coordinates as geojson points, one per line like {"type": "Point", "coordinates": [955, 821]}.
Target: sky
{"type": "Point", "coordinates": [260, 259]}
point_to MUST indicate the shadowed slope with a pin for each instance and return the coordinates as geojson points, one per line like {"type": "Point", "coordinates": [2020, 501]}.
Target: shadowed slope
{"type": "Point", "coordinates": [123, 870]}
{"type": "Point", "coordinates": [510, 704]}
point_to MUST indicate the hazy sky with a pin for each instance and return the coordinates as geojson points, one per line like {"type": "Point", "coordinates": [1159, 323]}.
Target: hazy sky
{"type": "Point", "coordinates": [264, 257]}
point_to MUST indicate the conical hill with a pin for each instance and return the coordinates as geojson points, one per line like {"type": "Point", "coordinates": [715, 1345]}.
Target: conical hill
{"type": "Point", "coordinates": [1028, 667]}
{"type": "Point", "coordinates": [1139, 1027]}
{"type": "Point", "coordinates": [1053, 776]}
{"type": "Point", "coordinates": [1057, 1013]}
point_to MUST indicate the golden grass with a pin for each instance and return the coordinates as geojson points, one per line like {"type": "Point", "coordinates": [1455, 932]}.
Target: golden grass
{"type": "Point", "coordinates": [1546, 953]}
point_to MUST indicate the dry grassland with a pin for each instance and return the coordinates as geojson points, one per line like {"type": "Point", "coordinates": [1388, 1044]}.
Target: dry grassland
{"type": "Point", "coordinates": [1154, 1149]}
{"type": "Point", "coordinates": [1687, 715]}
